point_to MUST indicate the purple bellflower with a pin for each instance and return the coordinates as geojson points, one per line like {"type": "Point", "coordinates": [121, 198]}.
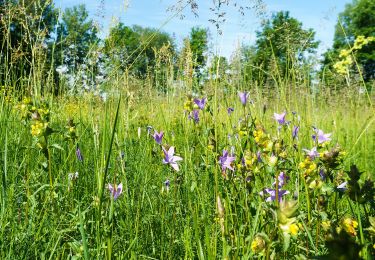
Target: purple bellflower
{"type": "Point", "coordinates": [226, 161]}
{"type": "Point", "coordinates": [230, 110]}
{"type": "Point", "coordinates": [201, 103]}
{"type": "Point", "coordinates": [79, 154]}
{"type": "Point", "coordinates": [158, 137]}
{"type": "Point", "coordinates": [244, 97]}
{"type": "Point", "coordinates": [282, 179]}
{"type": "Point", "coordinates": [313, 153]}
{"type": "Point", "coordinates": [167, 184]}
{"type": "Point", "coordinates": [272, 192]}
{"type": "Point", "coordinates": [295, 132]}
{"type": "Point", "coordinates": [115, 190]}
{"type": "Point", "coordinates": [321, 137]}
{"type": "Point", "coordinates": [171, 159]}
{"type": "Point", "coordinates": [322, 175]}
{"type": "Point", "coordinates": [280, 118]}
{"type": "Point", "coordinates": [194, 115]}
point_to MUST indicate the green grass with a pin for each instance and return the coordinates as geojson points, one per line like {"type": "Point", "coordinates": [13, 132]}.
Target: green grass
{"type": "Point", "coordinates": [68, 219]}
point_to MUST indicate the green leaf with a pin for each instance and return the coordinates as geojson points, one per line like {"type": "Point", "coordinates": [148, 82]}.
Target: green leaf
{"type": "Point", "coordinates": [57, 147]}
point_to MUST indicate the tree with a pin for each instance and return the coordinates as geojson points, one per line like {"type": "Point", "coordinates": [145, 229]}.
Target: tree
{"type": "Point", "coordinates": [282, 45]}
{"type": "Point", "coordinates": [26, 28]}
{"type": "Point", "coordinates": [76, 35]}
{"type": "Point", "coordinates": [358, 19]}
{"type": "Point", "coordinates": [134, 48]}
{"type": "Point", "coordinates": [199, 47]}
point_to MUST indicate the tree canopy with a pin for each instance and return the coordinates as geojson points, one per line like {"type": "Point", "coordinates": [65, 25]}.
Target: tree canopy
{"type": "Point", "coordinates": [357, 20]}
{"type": "Point", "coordinates": [134, 47]}
{"type": "Point", "coordinates": [281, 44]}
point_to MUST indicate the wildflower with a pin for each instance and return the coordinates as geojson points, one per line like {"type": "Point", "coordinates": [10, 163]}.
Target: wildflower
{"type": "Point", "coordinates": [312, 154]}
{"type": "Point", "coordinates": [230, 110]}
{"type": "Point", "coordinates": [350, 226]}
{"type": "Point", "coordinates": [259, 156]}
{"type": "Point", "coordinates": [62, 69]}
{"type": "Point", "coordinates": [201, 103]}
{"type": "Point", "coordinates": [258, 244]}
{"type": "Point", "coordinates": [280, 118]}
{"type": "Point", "coordinates": [167, 185]}
{"type": "Point", "coordinates": [188, 105]}
{"type": "Point", "coordinates": [226, 161]}
{"type": "Point", "coordinates": [115, 190]}
{"type": "Point", "coordinates": [170, 159]}
{"type": "Point", "coordinates": [158, 137]}
{"type": "Point", "coordinates": [272, 160]}
{"type": "Point", "coordinates": [293, 229]}
{"type": "Point", "coordinates": [194, 115]}
{"type": "Point", "coordinates": [282, 179]}
{"type": "Point", "coordinates": [295, 132]}
{"type": "Point", "coordinates": [149, 128]}
{"type": "Point", "coordinates": [243, 97]}
{"type": "Point", "coordinates": [308, 165]}
{"type": "Point", "coordinates": [73, 176]}
{"type": "Point", "coordinates": [326, 225]}
{"type": "Point", "coordinates": [39, 128]}
{"type": "Point", "coordinates": [342, 187]}
{"type": "Point", "coordinates": [322, 174]}
{"type": "Point", "coordinates": [272, 194]}
{"type": "Point", "coordinates": [321, 137]}
{"type": "Point", "coordinates": [79, 154]}
{"type": "Point", "coordinates": [286, 218]}
{"type": "Point", "coordinates": [344, 53]}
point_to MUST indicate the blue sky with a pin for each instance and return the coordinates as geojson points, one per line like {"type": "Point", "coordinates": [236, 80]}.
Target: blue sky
{"type": "Point", "coordinates": [321, 15]}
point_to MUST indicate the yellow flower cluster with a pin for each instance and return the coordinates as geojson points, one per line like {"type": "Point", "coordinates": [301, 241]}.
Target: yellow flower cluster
{"type": "Point", "coordinates": [189, 105]}
{"type": "Point", "coordinates": [350, 226]}
{"type": "Point", "coordinates": [6, 93]}
{"type": "Point", "coordinates": [307, 165]}
{"type": "Point", "coordinates": [342, 66]}
{"type": "Point", "coordinates": [38, 128]}
{"type": "Point", "coordinates": [258, 244]}
{"type": "Point", "coordinates": [262, 139]}
{"type": "Point", "coordinates": [326, 225]}
{"type": "Point", "coordinates": [71, 133]}
{"type": "Point", "coordinates": [286, 218]}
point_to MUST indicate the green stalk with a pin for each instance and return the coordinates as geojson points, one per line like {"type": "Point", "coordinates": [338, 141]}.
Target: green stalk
{"type": "Point", "coordinates": [307, 200]}
{"type": "Point", "coordinates": [361, 229]}
{"type": "Point", "coordinates": [5, 169]}
{"type": "Point", "coordinates": [83, 234]}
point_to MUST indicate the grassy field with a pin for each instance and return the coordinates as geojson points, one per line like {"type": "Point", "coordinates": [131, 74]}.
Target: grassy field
{"type": "Point", "coordinates": [63, 159]}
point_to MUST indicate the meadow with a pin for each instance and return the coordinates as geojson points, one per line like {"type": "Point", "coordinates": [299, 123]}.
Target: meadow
{"type": "Point", "coordinates": [109, 152]}
{"type": "Point", "coordinates": [87, 178]}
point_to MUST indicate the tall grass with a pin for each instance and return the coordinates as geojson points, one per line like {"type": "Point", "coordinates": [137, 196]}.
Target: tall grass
{"type": "Point", "coordinates": [49, 212]}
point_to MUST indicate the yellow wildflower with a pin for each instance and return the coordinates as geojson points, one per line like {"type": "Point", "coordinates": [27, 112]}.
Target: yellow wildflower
{"type": "Point", "coordinates": [307, 165]}
{"type": "Point", "coordinates": [38, 129]}
{"type": "Point", "coordinates": [293, 229]}
{"type": "Point", "coordinates": [326, 225]}
{"type": "Point", "coordinates": [258, 244]}
{"type": "Point", "coordinates": [350, 226]}
{"type": "Point", "coordinates": [344, 53]}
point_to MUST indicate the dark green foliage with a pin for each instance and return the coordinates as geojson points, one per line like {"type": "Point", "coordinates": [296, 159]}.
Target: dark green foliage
{"type": "Point", "coordinates": [76, 34]}
{"type": "Point", "coordinates": [358, 19]}
{"type": "Point", "coordinates": [134, 48]}
{"type": "Point", "coordinates": [199, 47]}
{"type": "Point", "coordinates": [24, 26]}
{"type": "Point", "coordinates": [282, 44]}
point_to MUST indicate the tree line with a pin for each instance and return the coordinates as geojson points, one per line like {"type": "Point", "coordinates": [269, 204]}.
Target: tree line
{"type": "Point", "coordinates": [35, 36]}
